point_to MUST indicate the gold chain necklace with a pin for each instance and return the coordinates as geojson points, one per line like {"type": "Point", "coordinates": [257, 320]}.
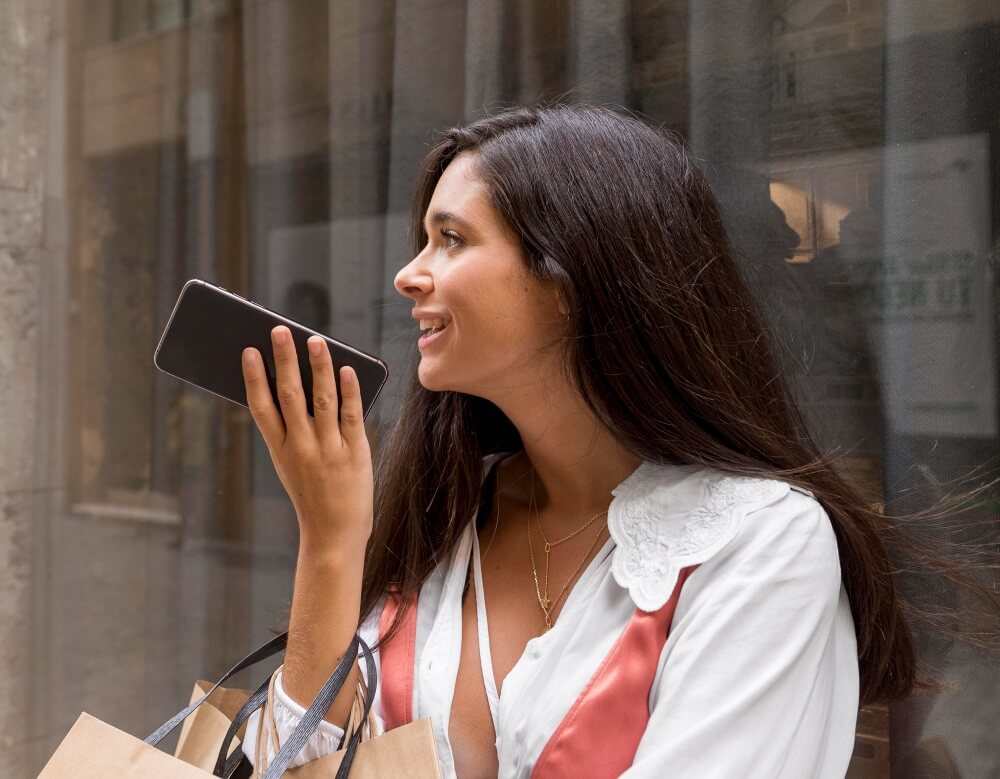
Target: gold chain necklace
{"type": "Point", "coordinates": [546, 605]}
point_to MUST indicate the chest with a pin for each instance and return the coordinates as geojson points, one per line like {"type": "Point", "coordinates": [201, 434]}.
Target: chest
{"type": "Point", "coordinates": [498, 620]}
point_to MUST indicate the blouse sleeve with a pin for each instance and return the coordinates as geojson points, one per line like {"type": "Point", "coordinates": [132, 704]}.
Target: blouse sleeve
{"type": "Point", "coordinates": [759, 675]}
{"type": "Point", "coordinates": [287, 713]}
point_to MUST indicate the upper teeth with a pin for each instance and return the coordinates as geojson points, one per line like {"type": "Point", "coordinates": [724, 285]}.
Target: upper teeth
{"type": "Point", "coordinates": [426, 324]}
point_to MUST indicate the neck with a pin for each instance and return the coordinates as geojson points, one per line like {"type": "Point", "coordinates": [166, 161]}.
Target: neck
{"type": "Point", "coordinates": [570, 460]}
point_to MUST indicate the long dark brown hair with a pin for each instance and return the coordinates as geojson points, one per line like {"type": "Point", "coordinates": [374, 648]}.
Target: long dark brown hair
{"type": "Point", "coordinates": [670, 352]}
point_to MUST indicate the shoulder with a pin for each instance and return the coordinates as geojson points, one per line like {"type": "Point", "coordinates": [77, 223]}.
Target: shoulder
{"type": "Point", "coordinates": [666, 518]}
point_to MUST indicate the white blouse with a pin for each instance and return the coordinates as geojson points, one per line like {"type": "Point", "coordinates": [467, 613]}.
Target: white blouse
{"type": "Point", "coordinates": [759, 674]}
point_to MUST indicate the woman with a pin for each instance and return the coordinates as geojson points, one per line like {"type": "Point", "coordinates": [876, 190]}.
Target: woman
{"type": "Point", "coordinates": [612, 546]}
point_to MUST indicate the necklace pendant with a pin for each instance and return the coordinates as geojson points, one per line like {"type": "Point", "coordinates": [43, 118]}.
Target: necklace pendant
{"type": "Point", "coordinates": [545, 604]}
{"type": "Point", "coordinates": [548, 547]}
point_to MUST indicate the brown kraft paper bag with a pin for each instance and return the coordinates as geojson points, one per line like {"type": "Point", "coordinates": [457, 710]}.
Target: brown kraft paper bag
{"type": "Point", "coordinates": [93, 748]}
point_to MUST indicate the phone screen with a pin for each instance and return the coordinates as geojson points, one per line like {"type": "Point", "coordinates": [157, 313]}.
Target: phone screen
{"type": "Point", "coordinates": [210, 327]}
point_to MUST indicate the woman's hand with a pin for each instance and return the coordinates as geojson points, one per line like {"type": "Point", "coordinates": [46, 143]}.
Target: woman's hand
{"type": "Point", "coordinates": [324, 462]}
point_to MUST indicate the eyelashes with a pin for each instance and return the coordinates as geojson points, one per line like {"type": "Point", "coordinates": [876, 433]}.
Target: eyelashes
{"type": "Point", "coordinates": [450, 236]}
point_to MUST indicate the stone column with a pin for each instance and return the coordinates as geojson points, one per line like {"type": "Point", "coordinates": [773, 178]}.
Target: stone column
{"type": "Point", "coordinates": [24, 51]}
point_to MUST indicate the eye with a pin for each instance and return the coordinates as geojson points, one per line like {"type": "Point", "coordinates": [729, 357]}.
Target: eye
{"type": "Point", "coordinates": [450, 236]}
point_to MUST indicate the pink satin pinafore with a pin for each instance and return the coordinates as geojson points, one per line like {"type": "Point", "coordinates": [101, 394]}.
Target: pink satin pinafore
{"type": "Point", "coordinates": [600, 733]}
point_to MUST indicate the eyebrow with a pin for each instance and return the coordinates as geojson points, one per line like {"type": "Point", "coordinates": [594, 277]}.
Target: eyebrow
{"type": "Point", "coordinates": [440, 217]}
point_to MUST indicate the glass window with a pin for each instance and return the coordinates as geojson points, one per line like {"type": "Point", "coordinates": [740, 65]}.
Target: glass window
{"type": "Point", "coordinates": [272, 148]}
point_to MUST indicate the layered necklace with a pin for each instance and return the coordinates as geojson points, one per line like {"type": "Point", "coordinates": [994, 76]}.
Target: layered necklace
{"type": "Point", "coordinates": [546, 603]}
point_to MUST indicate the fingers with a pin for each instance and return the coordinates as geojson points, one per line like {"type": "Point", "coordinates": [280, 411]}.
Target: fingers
{"type": "Point", "coordinates": [291, 397]}
{"type": "Point", "coordinates": [335, 423]}
{"type": "Point", "coordinates": [259, 399]}
{"type": "Point", "coordinates": [324, 392]}
{"type": "Point", "coordinates": [352, 420]}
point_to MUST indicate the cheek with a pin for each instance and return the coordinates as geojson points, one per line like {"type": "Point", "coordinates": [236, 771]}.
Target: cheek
{"type": "Point", "coordinates": [485, 301]}
{"type": "Point", "coordinates": [505, 319]}
{"type": "Point", "coordinates": [491, 299]}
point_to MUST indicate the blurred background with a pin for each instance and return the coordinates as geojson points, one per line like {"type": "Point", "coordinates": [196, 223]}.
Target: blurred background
{"type": "Point", "coordinates": [271, 146]}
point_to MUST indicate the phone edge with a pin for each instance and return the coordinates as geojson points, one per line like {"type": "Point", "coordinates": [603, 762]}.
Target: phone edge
{"type": "Point", "coordinates": [170, 320]}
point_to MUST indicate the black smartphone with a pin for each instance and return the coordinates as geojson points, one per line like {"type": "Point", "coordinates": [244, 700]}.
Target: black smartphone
{"type": "Point", "coordinates": [210, 327]}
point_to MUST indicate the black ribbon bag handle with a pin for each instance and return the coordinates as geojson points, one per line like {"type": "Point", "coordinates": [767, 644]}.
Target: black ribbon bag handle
{"type": "Point", "coordinates": [318, 708]}
{"type": "Point", "coordinates": [269, 649]}
{"type": "Point", "coordinates": [352, 744]}
{"type": "Point", "coordinates": [226, 765]}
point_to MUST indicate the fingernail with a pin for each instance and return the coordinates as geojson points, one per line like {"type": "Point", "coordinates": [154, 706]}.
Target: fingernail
{"type": "Point", "coordinates": [280, 336]}
{"type": "Point", "coordinates": [348, 375]}
{"type": "Point", "coordinates": [314, 345]}
{"type": "Point", "coordinates": [249, 357]}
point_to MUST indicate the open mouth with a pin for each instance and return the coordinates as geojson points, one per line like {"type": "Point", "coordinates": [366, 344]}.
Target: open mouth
{"type": "Point", "coordinates": [438, 323]}
{"type": "Point", "coordinates": [437, 329]}
{"type": "Point", "coordinates": [432, 334]}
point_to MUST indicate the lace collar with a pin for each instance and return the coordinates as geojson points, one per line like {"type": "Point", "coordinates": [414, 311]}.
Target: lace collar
{"type": "Point", "coordinates": [666, 517]}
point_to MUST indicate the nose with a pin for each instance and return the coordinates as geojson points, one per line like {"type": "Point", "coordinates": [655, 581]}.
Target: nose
{"type": "Point", "coordinates": [413, 280]}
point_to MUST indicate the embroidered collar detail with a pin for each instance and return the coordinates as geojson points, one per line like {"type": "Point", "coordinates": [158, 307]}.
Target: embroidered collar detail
{"type": "Point", "coordinates": [664, 518]}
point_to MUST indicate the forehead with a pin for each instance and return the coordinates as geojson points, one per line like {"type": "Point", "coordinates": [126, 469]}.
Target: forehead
{"type": "Point", "coordinates": [460, 192]}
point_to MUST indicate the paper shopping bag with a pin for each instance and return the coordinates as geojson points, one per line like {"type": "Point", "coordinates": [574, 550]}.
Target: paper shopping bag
{"type": "Point", "coordinates": [408, 751]}
{"type": "Point", "coordinates": [95, 750]}
{"type": "Point", "coordinates": [404, 751]}
{"type": "Point", "coordinates": [202, 732]}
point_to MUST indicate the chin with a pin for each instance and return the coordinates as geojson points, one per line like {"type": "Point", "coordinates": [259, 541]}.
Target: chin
{"type": "Point", "coordinates": [428, 380]}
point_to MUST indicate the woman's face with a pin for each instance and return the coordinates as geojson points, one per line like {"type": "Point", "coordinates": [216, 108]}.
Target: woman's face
{"type": "Point", "coordinates": [472, 272]}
